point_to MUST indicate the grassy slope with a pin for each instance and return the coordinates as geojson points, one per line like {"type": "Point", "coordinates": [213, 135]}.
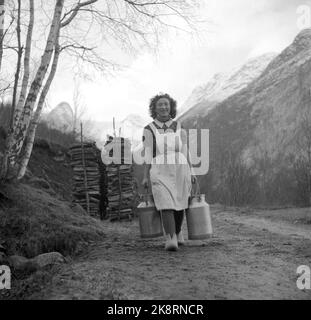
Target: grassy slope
{"type": "Point", "coordinates": [36, 220]}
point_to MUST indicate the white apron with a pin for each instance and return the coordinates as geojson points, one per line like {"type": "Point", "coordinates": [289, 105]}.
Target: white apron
{"type": "Point", "coordinates": [170, 174]}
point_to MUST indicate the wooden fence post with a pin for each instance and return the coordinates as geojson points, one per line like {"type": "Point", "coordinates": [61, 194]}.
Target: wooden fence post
{"type": "Point", "coordinates": [85, 175]}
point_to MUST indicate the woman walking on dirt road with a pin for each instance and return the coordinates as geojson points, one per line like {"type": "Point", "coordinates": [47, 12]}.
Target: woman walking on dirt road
{"type": "Point", "coordinates": [168, 167]}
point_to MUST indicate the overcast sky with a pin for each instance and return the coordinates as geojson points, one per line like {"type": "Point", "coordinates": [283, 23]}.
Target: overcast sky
{"type": "Point", "coordinates": [237, 30]}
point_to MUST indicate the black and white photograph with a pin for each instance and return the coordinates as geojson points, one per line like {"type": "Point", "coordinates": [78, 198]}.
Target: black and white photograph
{"type": "Point", "coordinates": [155, 151]}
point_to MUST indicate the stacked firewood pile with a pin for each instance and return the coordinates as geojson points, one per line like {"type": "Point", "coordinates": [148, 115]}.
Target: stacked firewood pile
{"type": "Point", "coordinates": [89, 178]}
{"type": "Point", "coordinates": [104, 191]}
{"type": "Point", "coordinates": [121, 185]}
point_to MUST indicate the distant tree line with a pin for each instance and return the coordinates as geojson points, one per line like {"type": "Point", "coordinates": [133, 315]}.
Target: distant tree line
{"type": "Point", "coordinates": [284, 180]}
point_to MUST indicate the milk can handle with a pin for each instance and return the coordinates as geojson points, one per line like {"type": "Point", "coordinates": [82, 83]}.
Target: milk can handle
{"type": "Point", "coordinates": [145, 195]}
{"type": "Point", "coordinates": [197, 189]}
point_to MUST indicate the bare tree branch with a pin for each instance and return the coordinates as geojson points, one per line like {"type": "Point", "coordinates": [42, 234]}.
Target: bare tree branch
{"type": "Point", "coordinates": [2, 13]}
{"type": "Point", "coordinates": [76, 46]}
{"type": "Point", "coordinates": [10, 48]}
{"type": "Point", "coordinates": [73, 12]}
{"type": "Point", "coordinates": [3, 90]}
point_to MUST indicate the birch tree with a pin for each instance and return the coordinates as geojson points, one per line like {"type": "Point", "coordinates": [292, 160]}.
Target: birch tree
{"type": "Point", "coordinates": [132, 25]}
{"type": "Point", "coordinates": [24, 120]}
{"type": "Point", "coordinates": [17, 134]}
{"type": "Point", "coordinates": [35, 120]}
{"type": "Point", "coordinates": [2, 12]}
{"type": "Point", "coordinates": [21, 101]}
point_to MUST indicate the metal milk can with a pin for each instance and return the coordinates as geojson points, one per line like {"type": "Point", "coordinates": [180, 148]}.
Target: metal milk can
{"type": "Point", "coordinates": [198, 217]}
{"type": "Point", "coordinates": [150, 222]}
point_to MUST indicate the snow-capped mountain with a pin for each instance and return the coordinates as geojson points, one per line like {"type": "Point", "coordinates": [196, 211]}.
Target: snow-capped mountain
{"type": "Point", "coordinates": [264, 126]}
{"type": "Point", "coordinates": [223, 85]}
{"type": "Point", "coordinates": [132, 127]}
{"type": "Point", "coordinates": [61, 117]}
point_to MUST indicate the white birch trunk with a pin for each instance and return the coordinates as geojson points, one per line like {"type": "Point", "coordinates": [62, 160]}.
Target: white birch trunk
{"type": "Point", "coordinates": [19, 60]}
{"type": "Point", "coordinates": [25, 156]}
{"type": "Point", "coordinates": [24, 121]}
{"type": "Point", "coordinates": [2, 13]}
{"type": "Point", "coordinates": [25, 80]}
{"type": "Point", "coordinates": [16, 137]}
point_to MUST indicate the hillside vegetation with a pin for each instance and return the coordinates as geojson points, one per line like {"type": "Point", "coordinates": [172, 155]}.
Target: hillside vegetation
{"type": "Point", "coordinates": [37, 214]}
{"type": "Point", "coordinates": [260, 141]}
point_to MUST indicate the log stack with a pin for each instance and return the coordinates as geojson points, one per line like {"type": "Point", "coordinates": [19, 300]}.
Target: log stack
{"type": "Point", "coordinates": [89, 178]}
{"type": "Point", "coordinates": [121, 186]}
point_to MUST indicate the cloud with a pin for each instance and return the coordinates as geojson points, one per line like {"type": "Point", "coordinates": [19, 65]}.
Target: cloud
{"type": "Point", "coordinates": [238, 30]}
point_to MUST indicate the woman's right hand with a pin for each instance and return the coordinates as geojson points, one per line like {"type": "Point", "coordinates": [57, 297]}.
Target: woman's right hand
{"type": "Point", "coordinates": [145, 183]}
{"type": "Point", "coordinates": [194, 179]}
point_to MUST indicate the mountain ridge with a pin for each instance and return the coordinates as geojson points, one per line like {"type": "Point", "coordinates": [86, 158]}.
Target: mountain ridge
{"type": "Point", "coordinates": [257, 128]}
{"type": "Point", "coordinates": [223, 85]}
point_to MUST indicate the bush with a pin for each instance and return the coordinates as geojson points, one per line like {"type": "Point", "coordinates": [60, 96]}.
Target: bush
{"type": "Point", "coordinates": [34, 222]}
{"type": "Point", "coordinates": [54, 136]}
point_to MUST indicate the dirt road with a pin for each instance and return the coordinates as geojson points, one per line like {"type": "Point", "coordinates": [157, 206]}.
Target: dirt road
{"type": "Point", "coordinates": [247, 258]}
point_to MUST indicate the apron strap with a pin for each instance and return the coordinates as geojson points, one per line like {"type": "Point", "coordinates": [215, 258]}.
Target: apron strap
{"type": "Point", "coordinates": [153, 128]}
{"type": "Point", "coordinates": [178, 126]}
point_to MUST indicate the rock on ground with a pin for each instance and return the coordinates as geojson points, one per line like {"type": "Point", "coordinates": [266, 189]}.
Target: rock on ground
{"type": "Point", "coordinates": [50, 258]}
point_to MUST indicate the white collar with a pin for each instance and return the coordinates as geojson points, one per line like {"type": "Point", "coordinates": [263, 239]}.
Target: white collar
{"type": "Point", "coordinates": [160, 124]}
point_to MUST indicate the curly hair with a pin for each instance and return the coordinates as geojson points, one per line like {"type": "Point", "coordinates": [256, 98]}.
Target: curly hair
{"type": "Point", "coordinates": [155, 99]}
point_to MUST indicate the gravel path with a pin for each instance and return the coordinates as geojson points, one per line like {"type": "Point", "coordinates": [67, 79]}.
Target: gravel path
{"type": "Point", "coordinates": [247, 258]}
